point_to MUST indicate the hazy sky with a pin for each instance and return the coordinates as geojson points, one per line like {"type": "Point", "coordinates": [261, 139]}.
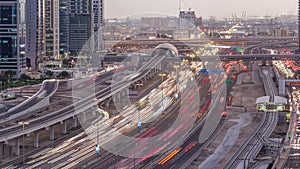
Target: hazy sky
{"type": "Point", "coordinates": [205, 8]}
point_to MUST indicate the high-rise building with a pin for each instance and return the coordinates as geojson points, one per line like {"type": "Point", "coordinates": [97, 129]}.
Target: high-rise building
{"type": "Point", "coordinates": [42, 30]}
{"type": "Point", "coordinates": [98, 14]}
{"type": "Point", "coordinates": [35, 31]}
{"type": "Point", "coordinates": [64, 12]}
{"type": "Point", "coordinates": [10, 57]}
{"type": "Point", "coordinates": [98, 23]}
{"type": "Point", "coordinates": [80, 25]}
{"type": "Point", "coordinates": [52, 28]}
{"type": "Point", "coordinates": [187, 19]}
{"type": "Point", "coordinates": [78, 20]}
{"type": "Point", "coordinates": [80, 32]}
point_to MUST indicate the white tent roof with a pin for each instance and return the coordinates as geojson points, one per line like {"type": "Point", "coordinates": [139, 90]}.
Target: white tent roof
{"type": "Point", "coordinates": [263, 99]}
{"type": "Point", "coordinates": [278, 99]}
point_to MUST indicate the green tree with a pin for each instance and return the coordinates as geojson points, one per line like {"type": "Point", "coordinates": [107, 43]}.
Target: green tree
{"type": "Point", "coordinates": [49, 73]}
{"type": "Point", "coordinates": [64, 74]}
{"type": "Point", "coordinates": [24, 77]}
{"type": "Point", "coordinates": [9, 74]}
{"type": "Point", "coordinates": [3, 80]}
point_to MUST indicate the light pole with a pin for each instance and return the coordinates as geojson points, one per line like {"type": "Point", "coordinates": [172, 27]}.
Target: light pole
{"type": "Point", "coordinates": [97, 145]}
{"type": "Point", "coordinates": [176, 67]}
{"type": "Point", "coordinates": [138, 106]}
{"type": "Point", "coordinates": [176, 74]}
{"type": "Point", "coordinates": [162, 75]}
{"type": "Point", "coordinates": [139, 85]}
{"type": "Point", "coordinates": [23, 123]}
{"type": "Point", "coordinates": [176, 96]}
{"type": "Point", "coordinates": [192, 56]}
{"type": "Point", "coordinates": [134, 154]}
{"type": "Point", "coordinates": [185, 61]}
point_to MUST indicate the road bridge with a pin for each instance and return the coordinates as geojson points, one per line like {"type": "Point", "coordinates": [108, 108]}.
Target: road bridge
{"type": "Point", "coordinates": [83, 106]}
{"type": "Point", "coordinates": [245, 57]}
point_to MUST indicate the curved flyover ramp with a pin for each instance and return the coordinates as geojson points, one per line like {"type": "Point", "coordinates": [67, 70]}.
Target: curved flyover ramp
{"type": "Point", "coordinates": [38, 100]}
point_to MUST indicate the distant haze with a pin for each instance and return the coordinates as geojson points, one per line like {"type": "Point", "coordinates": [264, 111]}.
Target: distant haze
{"type": "Point", "coordinates": [205, 8]}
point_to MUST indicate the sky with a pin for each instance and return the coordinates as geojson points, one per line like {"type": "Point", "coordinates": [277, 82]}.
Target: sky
{"type": "Point", "coordinates": [204, 8]}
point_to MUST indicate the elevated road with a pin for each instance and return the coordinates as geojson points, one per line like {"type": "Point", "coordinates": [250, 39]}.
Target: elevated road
{"type": "Point", "coordinates": [83, 105]}
{"type": "Point", "coordinates": [245, 57]}
{"type": "Point", "coordinates": [47, 89]}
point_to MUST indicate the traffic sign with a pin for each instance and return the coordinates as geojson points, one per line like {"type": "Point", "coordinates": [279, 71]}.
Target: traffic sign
{"type": "Point", "coordinates": [228, 81]}
{"type": "Point", "coordinates": [203, 71]}
{"type": "Point", "coordinates": [176, 95]}
{"type": "Point", "coordinates": [97, 148]}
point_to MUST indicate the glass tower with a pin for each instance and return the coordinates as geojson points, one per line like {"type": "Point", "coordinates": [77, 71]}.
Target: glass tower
{"type": "Point", "coordinates": [10, 58]}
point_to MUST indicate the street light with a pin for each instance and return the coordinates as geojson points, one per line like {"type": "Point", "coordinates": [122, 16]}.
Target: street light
{"type": "Point", "coordinates": [162, 75]}
{"type": "Point", "coordinates": [192, 56]}
{"type": "Point", "coordinates": [139, 85]}
{"type": "Point", "coordinates": [176, 67]}
{"type": "Point", "coordinates": [185, 61]}
{"type": "Point", "coordinates": [23, 123]}
{"type": "Point", "coordinates": [97, 145]}
{"type": "Point", "coordinates": [134, 155]}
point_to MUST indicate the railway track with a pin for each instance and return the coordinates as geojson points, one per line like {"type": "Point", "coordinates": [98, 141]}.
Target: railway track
{"type": "Point", "coordinates": [245, 155]}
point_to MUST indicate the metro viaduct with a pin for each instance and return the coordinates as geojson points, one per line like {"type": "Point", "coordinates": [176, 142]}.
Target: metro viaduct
{"type": "Point", "coordinates": [245, 57]}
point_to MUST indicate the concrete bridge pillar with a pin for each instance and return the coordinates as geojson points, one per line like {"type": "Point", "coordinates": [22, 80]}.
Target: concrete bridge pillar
{"type": "Point", "coordinates": [83, 117]}
{"type": "Point", "coordinates": [133, 86]}
{"type": "Point", "coordinates": [36, 139]}
{"type": "Point", "coordinates": [107, 101]}
{"type": "Point", "coordinates": [123, 93]}
{"type": "Point", "coordinates": [64, 127]}
{"type": "Point", "coordinates": [52, 136]}
{"type": "Point", "coordinates": [75, 122]}
{"type": "Point", "coordinates": [118, 95]}
{"type": "Point", "coordinates": [281, 86]}
{"type": "Point", "coordinates": [17, 146]}
{"type": "Point", "coordinates": [94, 113]}
{"type": "Point", "coordinates": [1, 150]}
{"type": "Point", "coordinates": [5, 150]}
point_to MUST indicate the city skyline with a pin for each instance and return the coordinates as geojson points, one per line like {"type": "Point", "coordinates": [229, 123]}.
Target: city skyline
{"type": "Point", "coordinates": [205, 8]}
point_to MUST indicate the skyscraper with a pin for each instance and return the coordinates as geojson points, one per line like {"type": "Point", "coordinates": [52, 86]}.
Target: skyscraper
{"type": "Point", "coordinates": [52, 28]}
{"type": "Point", "coordinates": [42, 30]}
{"type": "Point", "coordinates": [80, 32]}
{"type": "Point", "coordinates": [64, 22]}
{"type": "Point", "coordinates": [98, 14]}
{"type": "Point", "coordinates": [80, 25]}
{"type": "Point", "coordinates": [187, 19]}
{"type": "Point", "coordinates": [10, 57]}
{"type": "Point", "coordinates": [97, 22]}
{"type": "Point", "coordinates": [35, 31]}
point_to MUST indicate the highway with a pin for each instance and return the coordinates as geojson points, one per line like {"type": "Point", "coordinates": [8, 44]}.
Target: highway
{"type": "Point", "coordinates": [78, 154]}
{"type": "Point", "coordinates": [56, 159]}
{"type": "Point", "coordinates": [105, 93]}
{"type": "Point", "coordinates": [150, 161]}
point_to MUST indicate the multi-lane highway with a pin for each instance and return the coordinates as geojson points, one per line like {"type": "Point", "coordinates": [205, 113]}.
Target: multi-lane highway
{"type": "Point", "coordinates": [55, 157]}
{"type": "Point", "coordinates": [86, 103]}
